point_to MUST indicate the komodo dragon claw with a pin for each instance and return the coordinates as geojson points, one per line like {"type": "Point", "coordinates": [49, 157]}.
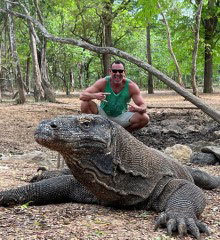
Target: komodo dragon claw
{"type": "Point", "coordinates": [181, 224]}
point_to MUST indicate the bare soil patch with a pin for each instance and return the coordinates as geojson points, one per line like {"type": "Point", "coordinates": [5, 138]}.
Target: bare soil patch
{"type": "Point", "coordinates": [81, 221]}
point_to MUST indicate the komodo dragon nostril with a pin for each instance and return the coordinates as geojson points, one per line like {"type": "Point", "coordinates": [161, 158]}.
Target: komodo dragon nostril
{"type": "Point", "coordinates": [53, 125]}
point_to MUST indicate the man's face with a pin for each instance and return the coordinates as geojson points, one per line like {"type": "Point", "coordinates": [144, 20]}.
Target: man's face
{"type": "Point", "coordinates": [117, 73]}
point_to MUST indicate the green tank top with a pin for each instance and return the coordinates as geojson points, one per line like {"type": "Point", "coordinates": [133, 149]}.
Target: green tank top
{"type": "Point", "coordinates": [116, 103]}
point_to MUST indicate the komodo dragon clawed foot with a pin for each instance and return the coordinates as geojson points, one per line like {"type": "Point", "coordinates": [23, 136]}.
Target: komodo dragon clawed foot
{"type": "Point", "coordinates": [181, 211]}
{"type": "Point", "coordinates": [174, 222]}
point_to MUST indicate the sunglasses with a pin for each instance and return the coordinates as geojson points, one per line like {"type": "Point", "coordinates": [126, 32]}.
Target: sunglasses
{"type": "Point", "coordinates": [117, 70]}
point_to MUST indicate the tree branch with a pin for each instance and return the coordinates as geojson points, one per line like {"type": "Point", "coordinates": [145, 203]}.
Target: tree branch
{"type": "Point", "coordinates": [36, 4]}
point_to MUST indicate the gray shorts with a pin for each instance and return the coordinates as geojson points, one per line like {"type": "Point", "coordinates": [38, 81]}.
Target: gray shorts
{"type": "Point", "coordinates": [123, 119]}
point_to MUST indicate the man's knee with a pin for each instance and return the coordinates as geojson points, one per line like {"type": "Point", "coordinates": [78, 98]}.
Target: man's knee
{"type": "Point", "coordinates": [84, 106]}
{"type": "Point", "coordinates": [88, 107]}
{"type": "Point", "coordinates": [141, 119]}
{"type": "Point", "coordinates": [146, 119]}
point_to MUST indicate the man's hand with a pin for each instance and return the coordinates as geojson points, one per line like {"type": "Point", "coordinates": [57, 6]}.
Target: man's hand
{"type": "Point", "coordinates": [87, 96]}
{"type": "Point", "coordinates": [101, 96]}
{"type": "Point", "coordinates": [135, 108]}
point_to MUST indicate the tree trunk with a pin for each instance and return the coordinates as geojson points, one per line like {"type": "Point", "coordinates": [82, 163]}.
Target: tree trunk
{"type": "Point", "coordinates": [208, 88]}
{"type": "Point", "coordinates": [107, 34]}
{"type": "Point", "coordinates": [195, 50]}
{"type": "Point", "coordinates": [72, 80]}
{"type": "Point", "coordinates": [149, 60]}
{"type": "Point", "coordinates": [16, 63]}
{"type": "Point", "coordinates": [80, 77]}
{"type": "Point", "coordinates": [39, 91]}
{"type": "Point", "coordinates": [170, 47]}
{"type": "Point", "coordinates": [66, 85]}
{"type": "Point", "coordinates": [62, 77]}
{"type": "Point", "coordinates": [210, 25]}
{"type": "Point", "coordinates": [27, 77]}
{"type": "Point", "coordinates": [172, 84]}
{"type": "Point", "coordinates": [49, 94]}
{"type": "Point", "coordinates": [86, 67]}
{"type": "Point", "coordinates": [7, 59]}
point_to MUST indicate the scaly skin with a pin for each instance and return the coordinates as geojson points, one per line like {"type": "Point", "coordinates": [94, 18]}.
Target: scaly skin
{"type": "Point", "coordinates": [111, 167]}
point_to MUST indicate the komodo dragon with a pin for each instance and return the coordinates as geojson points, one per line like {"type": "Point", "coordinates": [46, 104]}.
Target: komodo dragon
{"type": "Point", "coordinates": [111, 167]}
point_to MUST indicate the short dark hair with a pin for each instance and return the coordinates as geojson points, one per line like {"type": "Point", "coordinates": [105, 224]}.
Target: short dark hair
{"type": "Point", "coordinates": [118, 62]}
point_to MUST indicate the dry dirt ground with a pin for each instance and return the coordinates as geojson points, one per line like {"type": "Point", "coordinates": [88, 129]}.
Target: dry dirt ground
{"type": "Point", "coordinates": [72, 220]}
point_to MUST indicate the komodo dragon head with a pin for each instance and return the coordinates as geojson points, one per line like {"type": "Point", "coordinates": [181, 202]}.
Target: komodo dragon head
{"type": "Point", "coordinates": [104, 157]}
{"type": "Point", "coordinates": [75, 134]}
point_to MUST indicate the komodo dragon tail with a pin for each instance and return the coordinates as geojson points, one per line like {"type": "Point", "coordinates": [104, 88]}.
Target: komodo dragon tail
{"type": "Point", "coordinates": [203, 179]}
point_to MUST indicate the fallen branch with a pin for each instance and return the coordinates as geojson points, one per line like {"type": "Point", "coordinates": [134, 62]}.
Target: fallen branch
{"type": "Point", "coordinates": [173, 107]}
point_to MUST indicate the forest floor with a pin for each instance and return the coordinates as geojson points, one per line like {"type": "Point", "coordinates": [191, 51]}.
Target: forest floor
{"type": "Point", "coordinates": [83, 221]}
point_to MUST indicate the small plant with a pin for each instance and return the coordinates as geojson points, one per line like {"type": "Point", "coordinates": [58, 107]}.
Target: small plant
{"type": "Point", "coordinates": [26, 205]}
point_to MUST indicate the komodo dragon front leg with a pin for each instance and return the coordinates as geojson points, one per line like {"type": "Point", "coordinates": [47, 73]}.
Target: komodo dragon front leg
{"type": "Point", "coordinates": [59, 189]}
{"type": "Point", "coordinates": [181, 208]}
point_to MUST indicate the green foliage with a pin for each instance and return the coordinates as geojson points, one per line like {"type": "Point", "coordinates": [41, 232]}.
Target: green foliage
{"type": "Point", "coordinates": [146, 10]}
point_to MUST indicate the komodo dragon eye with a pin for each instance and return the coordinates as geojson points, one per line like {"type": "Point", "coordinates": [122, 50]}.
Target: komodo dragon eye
{"type": "Point", "coordinates": [85, 124]}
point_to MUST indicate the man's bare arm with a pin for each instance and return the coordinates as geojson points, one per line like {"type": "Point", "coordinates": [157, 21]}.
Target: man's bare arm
{"type": "Point", "coordinates": [136, 108]}
{"type": "Point", "coordinates": [139, 104]}
{"type": "Point", "coordinates": [95, 91]}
